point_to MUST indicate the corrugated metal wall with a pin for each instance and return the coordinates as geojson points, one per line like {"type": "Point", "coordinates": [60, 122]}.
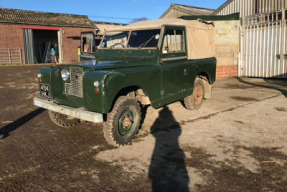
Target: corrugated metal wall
{"type": "Point", "coordinates": [29, 46]}
{"type": "Point", "coordinates": [265, 6]}
{"type": "Point", "coordinates": [263, 42]}
{"type": "Point", "coordinates": [251, 7]}
{"type": "Point", "coordinates": [263, 46]}
{"type": "Point", "coordinates": [244, 7]}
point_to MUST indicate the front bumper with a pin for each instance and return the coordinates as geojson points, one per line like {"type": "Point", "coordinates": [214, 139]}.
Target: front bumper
{"type": "Point", "coordinates": [70, 111]}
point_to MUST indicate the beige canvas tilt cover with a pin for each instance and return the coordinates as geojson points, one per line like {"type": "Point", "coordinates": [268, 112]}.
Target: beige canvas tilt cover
{"type": "Point", "coordinates": [200, 35]}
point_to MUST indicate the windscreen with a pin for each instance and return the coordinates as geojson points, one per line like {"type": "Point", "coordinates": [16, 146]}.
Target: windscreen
{"type": "Point", "coordinates": [144, 38]}
{"type": "Point", "coordinates": [137, 39]}
{"type": "Point", "coordinates": [115, 40]}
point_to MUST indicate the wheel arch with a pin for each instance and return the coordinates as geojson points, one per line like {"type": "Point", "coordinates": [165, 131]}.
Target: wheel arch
{"type": "Point", "coordinates": [132, 91]}
{"type": "Point", "coordinates": [205, 77]}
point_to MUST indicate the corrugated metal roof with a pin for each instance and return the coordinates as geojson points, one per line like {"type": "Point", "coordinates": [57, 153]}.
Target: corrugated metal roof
{"type": "Point", "coordinates": [190, 10]}
{"type": "Point", "coordinates": [221, 7]}
{"type": "Point", "coordinates": [44, 18]}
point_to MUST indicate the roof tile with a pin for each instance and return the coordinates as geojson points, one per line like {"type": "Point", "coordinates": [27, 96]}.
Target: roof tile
{"type": "Point", "coordinates": [44, 18]}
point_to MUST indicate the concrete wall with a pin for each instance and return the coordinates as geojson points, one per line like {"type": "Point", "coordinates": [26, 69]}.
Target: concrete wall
{"type": "Point", "coordinates": [227, 47]}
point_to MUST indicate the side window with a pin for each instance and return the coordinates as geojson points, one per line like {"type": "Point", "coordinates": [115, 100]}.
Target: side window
{"type": "Point", "coordinates": [173, 41]}
{"type": "Point", "coordinates": [87, 42]}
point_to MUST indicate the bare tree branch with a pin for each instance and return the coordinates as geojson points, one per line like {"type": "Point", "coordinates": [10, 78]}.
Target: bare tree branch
{"type": "Point", "coordinates": [138, 20]}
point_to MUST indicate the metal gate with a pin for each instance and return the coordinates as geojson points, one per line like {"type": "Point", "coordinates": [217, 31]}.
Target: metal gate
{"type": "Point", "coordinates": [263, 46]}
{"type": "Point", "coordinates": [10, 56]}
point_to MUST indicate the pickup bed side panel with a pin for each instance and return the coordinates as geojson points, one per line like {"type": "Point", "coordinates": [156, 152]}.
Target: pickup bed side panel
{"type": "Point", "coordinates": [203, 66]}
{"type": "Point", "coordinates": [189, 71]}
{"type": "Point", "coordinates": [150, 80]}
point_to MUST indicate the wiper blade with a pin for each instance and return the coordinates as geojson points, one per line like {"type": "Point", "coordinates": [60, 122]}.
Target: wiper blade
{"type": "Point", "coordinates": [145, 43]}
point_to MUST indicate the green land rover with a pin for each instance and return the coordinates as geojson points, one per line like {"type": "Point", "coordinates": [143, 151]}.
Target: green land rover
{"type": "Point", "coordinates": [152, 63]}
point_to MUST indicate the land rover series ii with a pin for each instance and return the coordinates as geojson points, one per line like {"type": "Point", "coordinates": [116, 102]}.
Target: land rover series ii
{"type": "Point", "coordinates": [152, 63]}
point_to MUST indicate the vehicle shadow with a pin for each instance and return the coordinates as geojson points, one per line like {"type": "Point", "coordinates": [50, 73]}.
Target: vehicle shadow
{"type": "Point", "coordinates": [7, 129]}
{"type": "Point", "coordinates": [273, 84]}
{"type": "Point", "coordinates": [167, 170]}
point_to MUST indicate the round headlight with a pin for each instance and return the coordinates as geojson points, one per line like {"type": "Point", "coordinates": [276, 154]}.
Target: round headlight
{"type": "Point", "coordinates": [39, 75]}
{"type": "Point", "coordinates": [65, 74]}
{"type": "Point", "coordinates": [96, 84]}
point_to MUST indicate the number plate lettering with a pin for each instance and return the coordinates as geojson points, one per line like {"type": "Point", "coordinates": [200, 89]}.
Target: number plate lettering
{"type": "Point", "coordinates": [45, 91]}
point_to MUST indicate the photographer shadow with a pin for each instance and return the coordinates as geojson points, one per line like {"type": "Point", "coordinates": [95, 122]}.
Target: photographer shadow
{"type": "Point", "coordinates": [167, 170]}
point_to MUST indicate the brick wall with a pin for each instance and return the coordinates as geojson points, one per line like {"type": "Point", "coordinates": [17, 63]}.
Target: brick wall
{"type": "Point", "coordinates": [226, 71]}
{"type": "Point", "coordinates": [11, 36]}
{"type": "Point", "coordinates": [71, 43]}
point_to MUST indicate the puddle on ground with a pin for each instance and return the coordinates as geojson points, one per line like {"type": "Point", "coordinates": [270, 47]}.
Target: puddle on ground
{"type": "Point", "coordinates": [281, 109]}
{"type": "Point", "coordinates": [237, 98]}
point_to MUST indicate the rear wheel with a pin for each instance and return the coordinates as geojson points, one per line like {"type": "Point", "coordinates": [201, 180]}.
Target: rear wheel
{"type": "Point", "coordinates": [122, 122]}
{"type": "Point", "coordinates": [194, 101]}
{"type": "Point", "coordinates": [62, 120]}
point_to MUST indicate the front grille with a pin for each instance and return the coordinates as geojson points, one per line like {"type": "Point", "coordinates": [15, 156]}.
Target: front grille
{"type": "Point", "coordinates": [75, 87]}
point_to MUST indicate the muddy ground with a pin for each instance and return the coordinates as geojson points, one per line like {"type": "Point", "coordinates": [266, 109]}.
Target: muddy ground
{"type": "Point", "coordinates": [235, 142]}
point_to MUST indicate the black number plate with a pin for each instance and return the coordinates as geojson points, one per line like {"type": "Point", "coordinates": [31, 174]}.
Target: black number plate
{"type": "Point", "coordinates": [45, 91]}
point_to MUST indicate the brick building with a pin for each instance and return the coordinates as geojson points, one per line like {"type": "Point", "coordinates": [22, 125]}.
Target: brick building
{"type": "Point", "coordinates": [27, 36]}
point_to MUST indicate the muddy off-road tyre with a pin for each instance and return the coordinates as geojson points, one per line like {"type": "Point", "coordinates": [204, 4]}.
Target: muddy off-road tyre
{"type": "Point", "coordinates": [194, 101]}
{"type": "Point", "coordinates": [62, 120]}
{"type": "Point", "coordinates": [123, 121]}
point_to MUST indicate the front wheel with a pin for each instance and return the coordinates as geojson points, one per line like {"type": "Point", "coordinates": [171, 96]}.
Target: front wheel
{"type": "Point", "coordinates": [62, 120]}
{"type": "Point", "coordinates": [195, 100]}
{"type": "Point", "coordinates": [122, 122]}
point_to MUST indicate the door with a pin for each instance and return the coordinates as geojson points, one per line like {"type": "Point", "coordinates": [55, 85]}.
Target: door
{"type": "Point", "coordinates": [60, 59]}
{"type": "Point", "coordinates": [29, 46]}
{"type": "Point", "coordinates": [173, 63]}
{"type": "Point", "coordinates": [264, 46]}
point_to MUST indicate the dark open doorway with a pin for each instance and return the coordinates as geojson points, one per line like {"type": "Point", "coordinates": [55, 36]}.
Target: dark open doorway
{"type": "Point", "coordinates": [38, 45]}
{"type": "Point", "coordinates": [43, 42]}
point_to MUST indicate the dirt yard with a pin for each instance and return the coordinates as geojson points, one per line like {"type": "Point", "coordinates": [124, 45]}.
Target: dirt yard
{"type": "Point", "coordinates": [236, 142]}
